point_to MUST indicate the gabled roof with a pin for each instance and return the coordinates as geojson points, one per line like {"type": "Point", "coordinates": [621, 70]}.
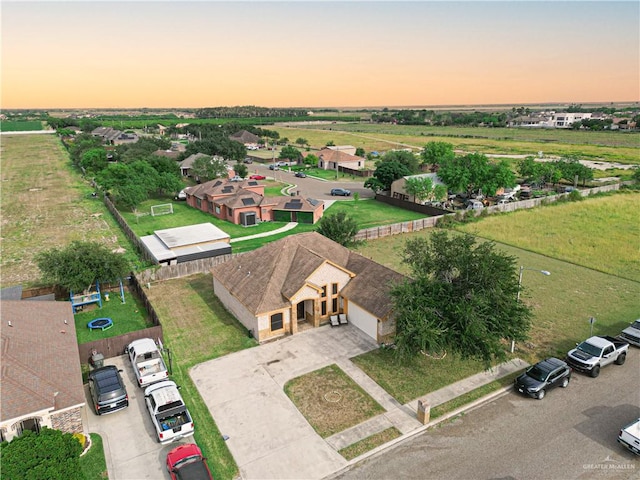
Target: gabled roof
{"type": "Point", "coordinates": [244, 136]}
{"type": "Point", "coordinates": [263, 280]}
{"type": "Point", "coordinates": [39, 358]}
{"type": "Point", "coordinates": [220, 188]}
{"type": "Point", "coordinates": [297, 204]}
{"type": "Point", "coordinates": [337, 156]}
{"type": "Point", "coordinates": [188, 162]}
{"type": "Point", "coordinates": [241, 198]}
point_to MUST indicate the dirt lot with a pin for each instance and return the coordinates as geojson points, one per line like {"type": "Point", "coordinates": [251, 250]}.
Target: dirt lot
{"type": "Point", "coordinates": [44, 204]}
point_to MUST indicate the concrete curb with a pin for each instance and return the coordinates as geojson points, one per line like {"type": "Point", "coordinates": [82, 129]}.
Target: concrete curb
{"type": "Point", "coordinates": [382, 448]}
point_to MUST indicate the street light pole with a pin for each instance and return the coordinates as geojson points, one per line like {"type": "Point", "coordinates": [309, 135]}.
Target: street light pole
{"type": "Point", "coordinates": [522, 269]}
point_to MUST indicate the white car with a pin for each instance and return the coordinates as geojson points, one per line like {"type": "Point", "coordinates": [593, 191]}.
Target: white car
{"type": "Point", "coordinates": [168, 412]}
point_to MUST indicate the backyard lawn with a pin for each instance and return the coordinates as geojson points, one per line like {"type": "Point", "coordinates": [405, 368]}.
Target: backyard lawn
{"type": "Point", "coordinates": [127, 317]}
{"type": "Point", "coordinates": [197, 328]}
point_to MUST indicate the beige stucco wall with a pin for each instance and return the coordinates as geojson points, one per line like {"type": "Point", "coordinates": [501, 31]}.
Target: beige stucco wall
{"type": "Point", "coordinates": [264, 324]}
{"type": "Point", "coordinates": [235, 307]}
{"type": "Point", "coordinates": [327, 274]}
{"type": "Point", "coordinates": [10, 426]}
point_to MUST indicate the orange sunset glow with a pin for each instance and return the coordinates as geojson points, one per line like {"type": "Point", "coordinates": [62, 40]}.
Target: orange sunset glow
{"type": "Point", "coordinates": [195, 54]}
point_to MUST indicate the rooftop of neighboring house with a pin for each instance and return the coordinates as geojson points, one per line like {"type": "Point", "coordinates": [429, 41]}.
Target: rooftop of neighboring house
{"type": "Point", "coordinates": [243, 136]}
{"type": "Point", "coordinates": [40, 363]}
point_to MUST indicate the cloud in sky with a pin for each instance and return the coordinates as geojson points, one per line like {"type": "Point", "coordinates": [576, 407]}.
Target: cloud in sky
{"type": "Point", "coordinates": [196, 54]}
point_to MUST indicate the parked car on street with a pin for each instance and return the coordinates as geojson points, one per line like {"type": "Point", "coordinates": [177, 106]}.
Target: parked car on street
{"type": "Point", "coordinates": [274, 167]}
{"type": "Point", "coordinates": [631, 334]}
{"type": "Point", "coordinates": [543, 376]}
{"type": "Point", "coordinates": [596, 352]}
{"type": "Point", "coordinates": [301, 175]}
{"type": "Point", "coordinates": [187, 463]}
{"type": "Point", "coordinates": [340, 191]}
{"type": "Point", "coordinates": [247, 160]}
{"type": "Point", "coordinates": [257, 177]}
{"type": "Point", "coordinates": [236, 178]}
{"type": "Point", "coordinates": [107, 390]}
{"type": "Point", "coordinates": [181, 195]}
{"type": "Point", "coordinates": [630, 436]}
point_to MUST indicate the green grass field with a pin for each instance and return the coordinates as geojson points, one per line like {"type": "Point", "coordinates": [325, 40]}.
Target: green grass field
{"type": "Point", "coordinates": [609, 146]}
{"type": "Point", "coordinates": [20, 126]}
{"type": "Point", "coordinates": [602, 233]}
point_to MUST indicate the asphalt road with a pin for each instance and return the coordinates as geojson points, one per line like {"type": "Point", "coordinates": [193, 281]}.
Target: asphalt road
{"type": "Point", "coordinates": [571, 434]}
{"type": "Point", "coordinates": [312, 187]}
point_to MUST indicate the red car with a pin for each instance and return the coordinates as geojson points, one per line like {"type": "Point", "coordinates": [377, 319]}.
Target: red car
{"type": "Point", "coordinates": [257, 177]}
{"type": "Point", "coordinates": [187, 463]}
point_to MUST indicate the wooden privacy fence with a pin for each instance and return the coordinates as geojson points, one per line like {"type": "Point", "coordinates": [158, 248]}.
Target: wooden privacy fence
{"type": "Point", "coordinates": [204, 265]}
{"type": "Point", "coordinates": [114, 346]}
{"type": "Point", "coordinates": [127, 230]}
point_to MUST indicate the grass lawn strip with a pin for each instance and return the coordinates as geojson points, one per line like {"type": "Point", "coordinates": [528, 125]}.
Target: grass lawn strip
{"type": "Point", "coordinates": [369, 443]}
{"type": "Point", "coordinates": [331, 401]}
{"type": "Point", "coordinates": [197, 328]}
{"type": "Point", "coordinates": [93, 463]}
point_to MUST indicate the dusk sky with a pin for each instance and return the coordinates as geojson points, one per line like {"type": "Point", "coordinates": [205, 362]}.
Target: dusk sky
{"type": "Point", "coordinates": [172, 54]}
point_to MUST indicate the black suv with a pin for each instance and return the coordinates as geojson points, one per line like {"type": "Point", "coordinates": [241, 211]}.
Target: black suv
{"type": "Point", "coordinates": [107, 390]}
{"type": "Point", "coordinates": [543, 376]}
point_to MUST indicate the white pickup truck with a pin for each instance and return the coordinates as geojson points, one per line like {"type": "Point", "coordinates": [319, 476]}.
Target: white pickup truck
{"type": "Point", "coordinates": [147, 362]}
{"type": "Point", "coordinates": [630, 436]}
{"type": "Point", "coordinates": [169, 414]}
{"type": "Point", "coordinates": [596, 352]}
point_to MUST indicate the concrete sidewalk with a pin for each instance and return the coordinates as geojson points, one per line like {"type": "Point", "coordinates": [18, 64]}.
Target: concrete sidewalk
{"type": "Point", "coordinates": [287, 227]}
{"type": "Point", "coordinates": [267, 435]}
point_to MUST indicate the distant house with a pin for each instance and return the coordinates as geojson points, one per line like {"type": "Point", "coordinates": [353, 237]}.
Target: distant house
{"type": "Point", "coordinates": [398, 187]}
{"type": "Point", "coordinates": [111, 136]}
{"type": "Point", "coordinates": [350, 149]}
{"type": "Point", "coordinates": [187, 163]}
{"type": "Point", "coordinates": [41, 377]}
{"type": "Point", "coordinates": [244, 203]}
{"type": "Point", "coordinates": [184, 244]}
{"type": "Point", "coordinates": [304, 279]}
{"type": "Point", "coordinates": [329, 159]}
{"type": "Point", "coordinates": [172, 154]}
{"type": "Point", "coordinates": [248, 139]}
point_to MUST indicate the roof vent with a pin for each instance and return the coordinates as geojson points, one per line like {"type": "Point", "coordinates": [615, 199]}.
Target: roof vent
{"type": "Point", "coordinates": [9, 323]}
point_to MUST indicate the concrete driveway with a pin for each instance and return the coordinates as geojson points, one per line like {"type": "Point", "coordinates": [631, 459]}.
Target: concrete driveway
{"type": "Point", "coordinates": [268, 437]}
{"type": "Point", "coordinates": [129, 439]}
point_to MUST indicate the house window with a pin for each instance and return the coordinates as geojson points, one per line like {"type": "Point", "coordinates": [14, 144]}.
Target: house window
{"type": "Point", "coordinates": [218, 209]}
{"type": "Point", "coordinates": [210, 206]}
{"type": "Point", "coordinates": [324, 291]}
{"type": "Point", "coordinates": [323, 308]}
{"type": "Point", "coordinates": [198, 202]}
{"type": "Point", "coordinates": [334, 305]}
{"type": "Point", "coordinates": [334, 289]}
{"type": "Point", "coordinates": [276, 321]}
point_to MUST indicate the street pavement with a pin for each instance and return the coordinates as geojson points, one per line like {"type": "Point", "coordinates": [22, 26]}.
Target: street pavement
{"type": "Point", "coordinates": [569, 435]}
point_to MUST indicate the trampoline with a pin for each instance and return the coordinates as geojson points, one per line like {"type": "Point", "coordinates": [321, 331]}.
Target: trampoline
{"type": "Point", "coordinates": [100, 324]}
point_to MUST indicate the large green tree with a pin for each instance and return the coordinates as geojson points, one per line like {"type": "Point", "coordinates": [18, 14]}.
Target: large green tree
{"type": "Point", "coordinates": [207, 168]}
{"type": "Point", "coordinates": [339, 227]}
{"type": "Point", "coordinates": [462, 298]}
{"type": "Point", "coordinates": [49, 454]}
{"type": "Point", "coordinates": [408, 159]}
{"type": "Point", "coordinates": [436, 152]}
{"type": "Point", "coordinates": [474, 172]}
{"type": "Point", "coordinates": [386, 173]}
{"type": "Point", "coordinates": [290, 153]}
{"type": "Point", "coordinates": [78, 265]}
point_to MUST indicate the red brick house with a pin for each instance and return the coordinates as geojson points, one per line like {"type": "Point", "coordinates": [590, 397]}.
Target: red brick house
{"type": "Point", "coordinates": [244, 203]}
